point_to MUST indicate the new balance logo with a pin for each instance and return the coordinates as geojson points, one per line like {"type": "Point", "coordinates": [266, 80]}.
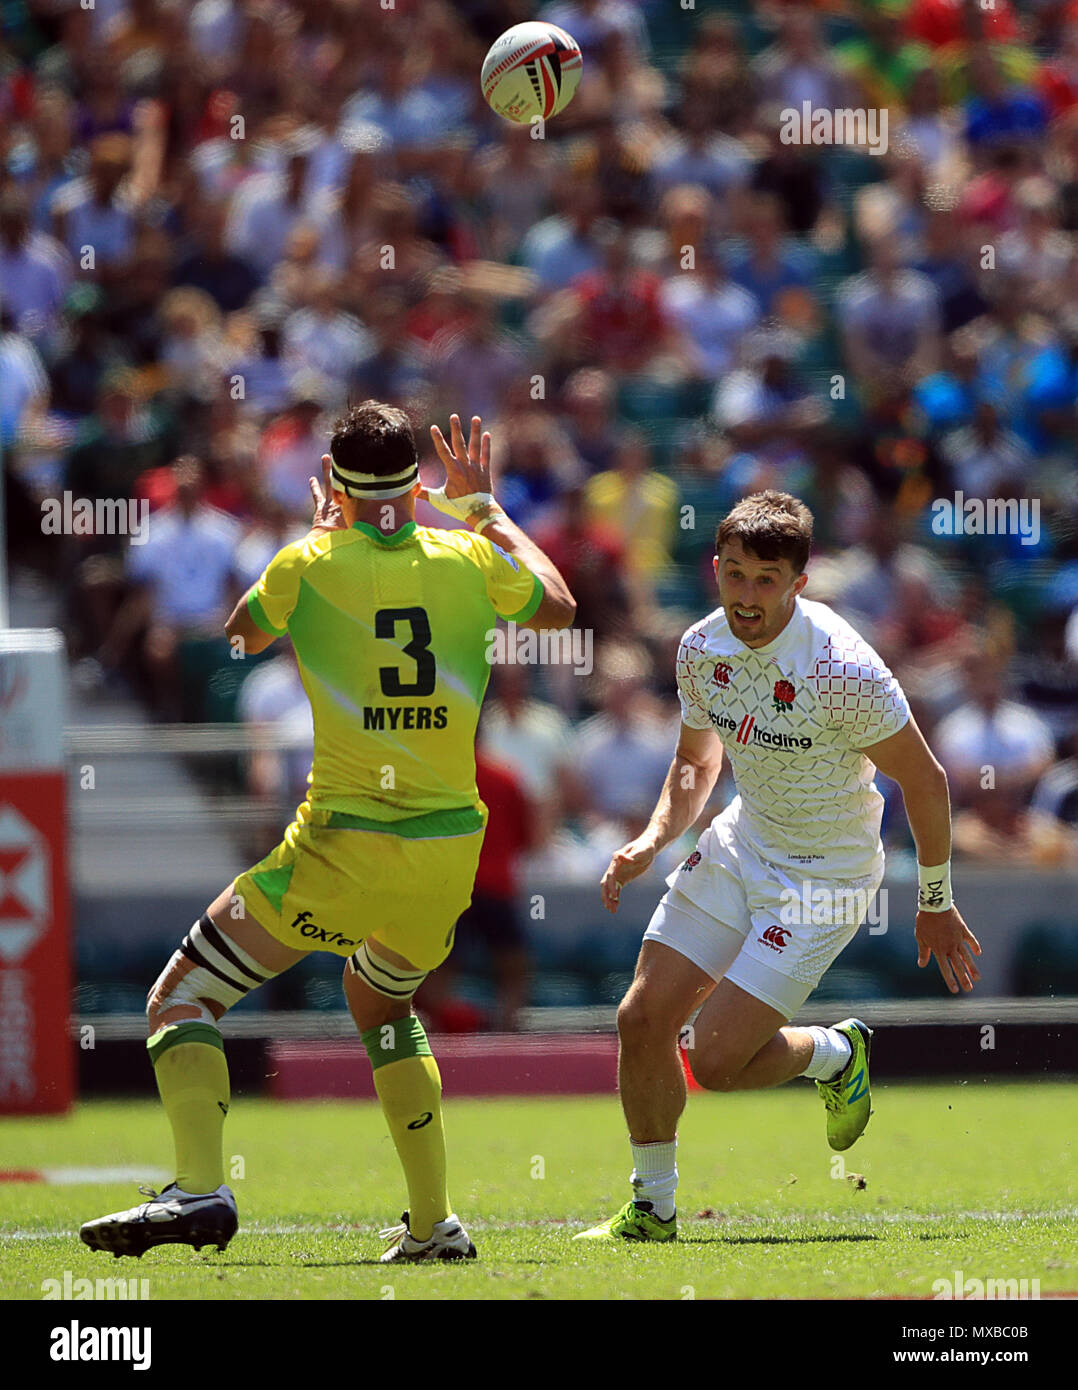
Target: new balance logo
{"type": "Point", "coordinates": [775, 937]}
{"type": "Point", "coordinates": [858, 1091]}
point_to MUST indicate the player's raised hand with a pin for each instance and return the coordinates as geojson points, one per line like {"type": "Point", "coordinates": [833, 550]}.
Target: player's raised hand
{"type": "Point", "coordinates": [945, 936]}
{"type": "Point", "coordinates": [327, 512]}
{"type": "Point", "coordinates": [627, 863]}
{"type": "Point", "coordinates": [467, 465]}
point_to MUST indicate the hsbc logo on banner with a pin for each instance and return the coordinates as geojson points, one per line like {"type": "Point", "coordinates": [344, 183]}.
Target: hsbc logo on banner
{"type": "Point", "coordinates": [24, 885]}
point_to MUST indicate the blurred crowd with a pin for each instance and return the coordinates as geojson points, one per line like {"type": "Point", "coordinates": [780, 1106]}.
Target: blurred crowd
{"type": "Point", "coordinates": [221, 220]}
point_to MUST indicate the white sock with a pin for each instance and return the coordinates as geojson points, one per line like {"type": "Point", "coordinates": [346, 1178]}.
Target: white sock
{"type": "Point", "coordinates": [831, 1053]}
{"type": "Point", "coordinates": [654, 1176]}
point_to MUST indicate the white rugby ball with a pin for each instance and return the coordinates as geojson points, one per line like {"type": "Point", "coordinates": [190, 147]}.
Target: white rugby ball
{"type": "Point", "coordinates": [532, 70]}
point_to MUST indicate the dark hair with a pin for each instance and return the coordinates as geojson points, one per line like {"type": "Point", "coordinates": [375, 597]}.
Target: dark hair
{"type": "Point", "coordinates": [374, 438]}
{"type": "Point", "coordinates": [772, 525]}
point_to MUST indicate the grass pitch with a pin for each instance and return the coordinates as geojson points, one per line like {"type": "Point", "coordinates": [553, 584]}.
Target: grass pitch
{"type": "Point", "coordinates": [960, 1176]}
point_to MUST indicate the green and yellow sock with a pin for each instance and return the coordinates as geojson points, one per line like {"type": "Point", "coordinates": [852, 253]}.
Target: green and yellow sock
{"type": "Point", "coordinates": [409, 1086]}
{"type": "Point", "coordinates": [192, 1076]}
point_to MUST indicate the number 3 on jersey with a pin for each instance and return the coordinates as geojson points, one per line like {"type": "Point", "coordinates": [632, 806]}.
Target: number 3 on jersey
{"type": "Point", "coordinates": [418, 648]}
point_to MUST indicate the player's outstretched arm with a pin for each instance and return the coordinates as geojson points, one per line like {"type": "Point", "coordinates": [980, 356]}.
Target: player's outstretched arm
{"type": "Point", "coordinates": [468, 495]}
{"type": "Point", "coordinates": [692, 775]}
{"type": "Point", "coordinates": [940, 931]}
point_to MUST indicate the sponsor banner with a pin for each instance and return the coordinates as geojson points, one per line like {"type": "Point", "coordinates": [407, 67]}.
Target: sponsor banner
{"type": "Point", "coordinates": [36, 1058]}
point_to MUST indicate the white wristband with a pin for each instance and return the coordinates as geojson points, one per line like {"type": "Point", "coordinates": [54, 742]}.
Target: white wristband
{"type": "Point", "coordinates": [459, 507]}
{"type": "Point", "coordinates": [495, 514]}
{"type": "Point", "coordinates": [934, 888]}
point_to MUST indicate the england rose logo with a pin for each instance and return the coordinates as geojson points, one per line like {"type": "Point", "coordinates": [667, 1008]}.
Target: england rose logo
{"type": "Point", "coordinates": [722, 673]}
{"type": "Point", "coordinates": [783, 696]}
{"type": "Point", "coordinates": [692, 861]}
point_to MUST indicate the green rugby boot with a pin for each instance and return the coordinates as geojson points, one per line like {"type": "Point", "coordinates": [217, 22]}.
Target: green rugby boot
{"type": "Point", "coordinates": [635, 1221]}
{"type": "Point", "coordinates": [849, 1098]}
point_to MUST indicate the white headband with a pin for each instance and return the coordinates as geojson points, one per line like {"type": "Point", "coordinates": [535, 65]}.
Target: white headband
{"type": "Point", "coordinates": [372, 486]}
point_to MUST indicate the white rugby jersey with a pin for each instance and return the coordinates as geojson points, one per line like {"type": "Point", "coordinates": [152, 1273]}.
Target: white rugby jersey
{"type": "Point", "coordinates": [792, 716]}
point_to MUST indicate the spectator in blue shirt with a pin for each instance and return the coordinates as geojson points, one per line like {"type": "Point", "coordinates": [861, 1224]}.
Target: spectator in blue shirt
{"type": "Point", "coordinates": [994, 113]}
{"type": "Point", "coordinates": [561, 247]}
{"type": "Point", "coordinates": [1023, 367]}
{"type": "Point", "coordinates": [948, 398]}
{"type": "Point", "coordinates": [774, 263]}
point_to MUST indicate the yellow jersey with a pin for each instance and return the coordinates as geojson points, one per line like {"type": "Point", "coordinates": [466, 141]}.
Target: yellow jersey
{"type": "Point", "coordinates": [393, 635]}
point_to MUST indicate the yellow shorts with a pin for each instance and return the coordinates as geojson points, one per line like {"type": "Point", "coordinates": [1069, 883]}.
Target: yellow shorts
{"type": "Point", "coordinates": [333, 881]}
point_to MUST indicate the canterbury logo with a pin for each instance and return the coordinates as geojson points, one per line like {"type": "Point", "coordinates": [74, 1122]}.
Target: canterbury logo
{"type": "Point", "coordinates": [424, 1119]}
{"type": "Point", "coordinates": [775, 937]}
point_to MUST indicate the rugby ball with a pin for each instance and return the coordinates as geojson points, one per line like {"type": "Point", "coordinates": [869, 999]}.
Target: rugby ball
{"type": "Point", "coordinates": [532, 71]}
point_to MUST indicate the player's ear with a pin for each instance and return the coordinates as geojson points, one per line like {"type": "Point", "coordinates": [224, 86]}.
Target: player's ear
{"type": "Point", "coordinates": [715, 567]}
{"type": "Point", "coordinates": [799, 583]}
{"type": "Point", "coordinates": [329, 489]}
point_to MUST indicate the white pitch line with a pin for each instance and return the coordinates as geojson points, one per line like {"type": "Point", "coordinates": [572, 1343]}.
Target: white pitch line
{"type": "Point", "coordinates": [71, 1177]}
{"type": "Point", "coordinates": [856, 1221]}
{"type": "Point", "coordinates": [91, 1174]}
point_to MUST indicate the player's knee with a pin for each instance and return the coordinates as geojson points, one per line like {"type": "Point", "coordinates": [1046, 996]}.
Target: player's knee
{"type": "Point", "coordinates": [204, 978]}
{"type": "Point", "coordinates": [371, 1010]}
{"type": "Point", "coordinates": [161, 1012]}
{"type": "Point", "coordinates": [716, 1073]}
{"type": "Point", "coordinates": [378, 991]}
{"type": "Point", "coordinates": [175, 998]}
{"type": "Point", "coordinates": [640, 1020]}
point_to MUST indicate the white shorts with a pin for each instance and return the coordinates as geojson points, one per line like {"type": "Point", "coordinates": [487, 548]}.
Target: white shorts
{"type": "Point", "coordinates": [772, 933]}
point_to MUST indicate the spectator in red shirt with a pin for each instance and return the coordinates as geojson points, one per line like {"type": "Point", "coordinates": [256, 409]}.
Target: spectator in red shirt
{"type": "Point", "coordinates": [290, 442]}
{"type": "Point", "coordinates": [592, 559]}
{"type": "Point", "coordinates": [492, 920]}
{"type": "Point", "coordinates": [442, 308]}
{"type": "Point", "coordinates": [940, 22]}
{"type": "Point", "coordinates": [618, 321]}
{"type": "Point", "coordinates": [1058, 81]}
